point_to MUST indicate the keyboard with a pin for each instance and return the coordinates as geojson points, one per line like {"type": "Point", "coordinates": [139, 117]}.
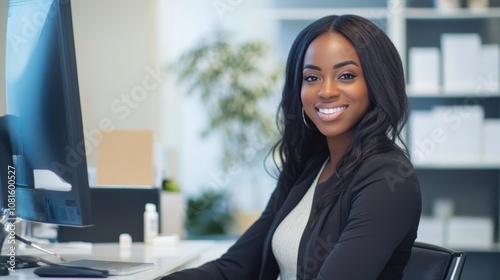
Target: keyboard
{"type": "Point", "coordinates": [111, 267]}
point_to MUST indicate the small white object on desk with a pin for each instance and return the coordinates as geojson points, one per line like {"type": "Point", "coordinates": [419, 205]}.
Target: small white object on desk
{"type": "Point", "coordinates": [125, 241]}
{"type": "Point", "coordinates": [165, 240]}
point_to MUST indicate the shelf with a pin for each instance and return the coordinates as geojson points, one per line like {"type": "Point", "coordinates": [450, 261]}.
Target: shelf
{"type": "Point", "coordinates": [485, 91]}
{"type": "Point", "coordinates": [461, 13]}
{"type": "Point", "coordinates": [379, 13]}
{"type": "Point", "coordinates": [315, 13]}
{"type": "Point", "coordinates": [493, 248]}
{"type": "Point", "coordinates": [458, 165]}
{"type": "Point", "coordinates": [414, 94]}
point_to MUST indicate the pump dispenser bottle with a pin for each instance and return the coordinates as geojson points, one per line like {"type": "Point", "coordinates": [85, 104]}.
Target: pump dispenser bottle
{"type": "Point", "coordinates": [150, 223]}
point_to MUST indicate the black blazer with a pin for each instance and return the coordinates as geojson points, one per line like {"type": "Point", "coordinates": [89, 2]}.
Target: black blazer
{"type": "Point", "coordinates": [367, 233]}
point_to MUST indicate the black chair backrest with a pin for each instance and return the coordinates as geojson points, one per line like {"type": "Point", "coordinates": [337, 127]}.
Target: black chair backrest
{"type": "Point", "coordinates": [434, 262]}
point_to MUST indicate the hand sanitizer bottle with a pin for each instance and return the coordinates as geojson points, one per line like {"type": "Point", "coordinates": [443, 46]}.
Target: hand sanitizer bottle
{"type": "Point", "coordinates": [150, 223]}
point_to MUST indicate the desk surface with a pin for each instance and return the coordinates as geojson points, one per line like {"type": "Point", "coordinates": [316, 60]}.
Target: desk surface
{"type": "Point", "coordinates": [167, 259]}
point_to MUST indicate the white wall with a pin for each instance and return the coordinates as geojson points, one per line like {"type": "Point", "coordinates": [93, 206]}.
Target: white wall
{"type": "Point", "coordinates": [182, 25]}
{"type": "Point", "coordinates": [117, 55]}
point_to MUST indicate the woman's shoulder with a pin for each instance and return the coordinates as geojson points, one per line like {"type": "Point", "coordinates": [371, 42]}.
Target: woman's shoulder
{"type": "Point", "coordinates": [394, 158]}
{"type": "Point", "coordinates": [393, 167]}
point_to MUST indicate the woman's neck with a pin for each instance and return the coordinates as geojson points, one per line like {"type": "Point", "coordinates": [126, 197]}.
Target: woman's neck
{"type": "Point", "coordinates": [337, 147]}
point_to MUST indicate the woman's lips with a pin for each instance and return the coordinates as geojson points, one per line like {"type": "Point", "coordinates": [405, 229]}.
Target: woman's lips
{"type": "Point", "coordinates": [330, 114]}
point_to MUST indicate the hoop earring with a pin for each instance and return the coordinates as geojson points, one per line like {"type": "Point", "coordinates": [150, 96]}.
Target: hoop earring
{"type": "Point", "coordinates": [304, 119]}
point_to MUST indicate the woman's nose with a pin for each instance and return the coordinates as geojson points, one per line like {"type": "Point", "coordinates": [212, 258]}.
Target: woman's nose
{"type": "Point", "coordinates": [329, 89]}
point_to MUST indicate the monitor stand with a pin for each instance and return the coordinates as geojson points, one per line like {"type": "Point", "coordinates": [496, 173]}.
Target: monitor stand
{"type": "Point", "coordinates": [5, 159]}
{"type": "Point", "coordinates": [11, 259]}
{"type": "Point", "coordinates": [7, 214]}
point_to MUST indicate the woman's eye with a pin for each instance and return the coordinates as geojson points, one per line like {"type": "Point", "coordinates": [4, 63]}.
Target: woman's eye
{"type": "Point", "coordinates": [311, 78]}
{"type": "Point", "coordinates": [347, 76]}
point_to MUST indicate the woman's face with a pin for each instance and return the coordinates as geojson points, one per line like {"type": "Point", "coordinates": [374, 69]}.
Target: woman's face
{"type": "Point", "coordinates": [334, 92]}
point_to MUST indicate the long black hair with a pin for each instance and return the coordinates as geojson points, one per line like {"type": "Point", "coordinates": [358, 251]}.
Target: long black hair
{"type": "Point", "coordinates": [378, 131]}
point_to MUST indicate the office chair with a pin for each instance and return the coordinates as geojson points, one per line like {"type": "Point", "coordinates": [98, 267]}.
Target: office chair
{"type": "Point", "coordinates": [433, 262]}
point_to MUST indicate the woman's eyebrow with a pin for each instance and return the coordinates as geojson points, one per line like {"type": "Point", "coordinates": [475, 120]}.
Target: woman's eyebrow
{"type": "Point", "coordinates": [336, 66]}
{"type": "Point", "coordinates": [310, 66]}
{"type": "Point", "coordinates": [344, 63]}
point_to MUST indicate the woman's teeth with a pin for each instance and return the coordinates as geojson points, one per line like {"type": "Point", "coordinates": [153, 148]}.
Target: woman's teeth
{"type": "Point", "coordinates": [330, 111]}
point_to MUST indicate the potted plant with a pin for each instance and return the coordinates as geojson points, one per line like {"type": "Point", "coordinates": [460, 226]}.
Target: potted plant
{"type": "Point", "coordinates": [236, 81]}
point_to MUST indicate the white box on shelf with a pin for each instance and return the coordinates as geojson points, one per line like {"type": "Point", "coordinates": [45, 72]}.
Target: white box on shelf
{"type": "Point", "coordinates": [431, 230]}
{"type": "Point", "coordinates": [443, 208]}
{"type": "Point", "coordinates": [489, 75]}
{"type": "Point", "coordinates": [467, 232]}
{"type": "Point", "coordinates": [491, 138]}
{"type": "Point", "coordinates": [461, 55]}
{"type": "Point", "coordinates": [463, 131]}
{"type": "Point", "coordinates": [447, 5]}
{"type": "Point", "coordinates": [424, 69]}
{"type": "Point", "coordinates": [424, 136]}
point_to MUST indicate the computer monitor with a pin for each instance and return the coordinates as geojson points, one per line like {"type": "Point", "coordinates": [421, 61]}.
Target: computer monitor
{"type": "Point", "coordinates": [42, 128]}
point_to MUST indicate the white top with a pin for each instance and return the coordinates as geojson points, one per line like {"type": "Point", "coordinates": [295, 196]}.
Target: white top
{"type": "Point", "coordinates": [286, 238]}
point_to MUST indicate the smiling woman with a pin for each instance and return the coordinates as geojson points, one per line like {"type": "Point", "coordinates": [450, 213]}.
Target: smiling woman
{"type": "Point", "coordinates": [347, 204]}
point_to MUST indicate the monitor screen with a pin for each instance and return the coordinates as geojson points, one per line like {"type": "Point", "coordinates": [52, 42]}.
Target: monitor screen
{"type": "Point", "coordinates": [44, 122]}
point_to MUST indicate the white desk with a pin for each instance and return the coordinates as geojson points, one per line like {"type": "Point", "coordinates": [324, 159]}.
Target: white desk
{"type": "Point", "coordinates": [169, 259]}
